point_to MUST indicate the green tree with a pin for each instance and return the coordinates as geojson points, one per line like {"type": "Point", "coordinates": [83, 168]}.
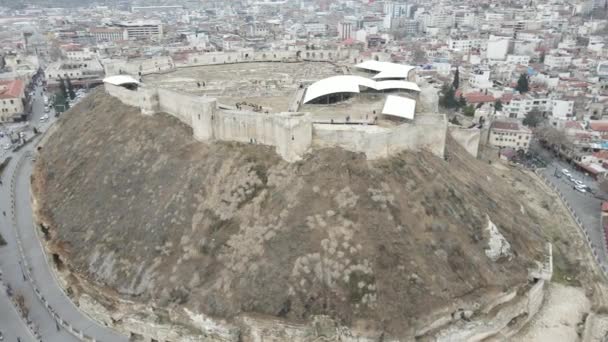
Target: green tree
{"type": "Point", "coordinates": [469, 111]}
{"type": "Point", "coordinates": [448, 97]}
{"type": "Point", "coordinates": [60, 102]}
{"type": "Point", "coordinates": [522, 83]}
{"type": "Point", "coordinates": [456, 82]}
{"type": "Point", "coordinates": [533, 118]}
{"type": "Point", "coordinates": [498, 105]}
{"type": "Point", "coordinates": [462, 101]}
{"type": "Point", "coordinates": [70, 88]}
{"type": "Point", "coordinates": [62, 88]}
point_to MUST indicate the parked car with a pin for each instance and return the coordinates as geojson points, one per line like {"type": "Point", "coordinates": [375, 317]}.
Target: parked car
{"type": "Point", "coordinates": [580, 188]}
{"type": "Point", "coordinates": [7, 146]}
{"type": "Point", "coordinates": [566, 172]}
{"type": "Point", "coordinates": [579, 183]}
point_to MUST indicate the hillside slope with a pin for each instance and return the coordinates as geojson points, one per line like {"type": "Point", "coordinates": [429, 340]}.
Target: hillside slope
{"type": "Point", "coordinates": [139, 209]}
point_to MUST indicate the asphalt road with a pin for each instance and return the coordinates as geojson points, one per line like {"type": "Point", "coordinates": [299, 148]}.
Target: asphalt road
{"type": "Point", "coordinates": [586, 205]}
{"type": "Point", "coordinates": [12, 266]}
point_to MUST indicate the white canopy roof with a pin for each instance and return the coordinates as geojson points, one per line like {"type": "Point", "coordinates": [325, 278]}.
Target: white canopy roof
{"type": "Point", "coordinates": [337, 84]}
{"type": "Point", "coordinates": [384, 85]}
{"type": "Point", "coordinates": [386, 69]}
{"type": "Point", "coordinates": [399, 106]}
{"type": "Point", "coordinates": [120, 80]}
{"type": "Point", "coordinates": [351, 84]}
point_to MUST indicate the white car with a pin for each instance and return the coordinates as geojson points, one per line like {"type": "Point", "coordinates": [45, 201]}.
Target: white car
{"type": "Point", "coordinates": [566, 172]}
{"type": "Point", "coordinates": [7, 146]}
{"type": "Point", "coordinates": [579, 183]}
{"type": "Point", "coordinates": [580, 188]}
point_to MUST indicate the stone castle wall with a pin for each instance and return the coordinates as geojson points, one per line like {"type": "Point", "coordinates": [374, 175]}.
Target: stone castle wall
{"type": "Point", "coordinates": [293, 134]}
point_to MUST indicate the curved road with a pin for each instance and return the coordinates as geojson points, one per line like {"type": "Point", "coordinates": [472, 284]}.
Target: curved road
{"type": "Point", "coordinates": [14, 273]}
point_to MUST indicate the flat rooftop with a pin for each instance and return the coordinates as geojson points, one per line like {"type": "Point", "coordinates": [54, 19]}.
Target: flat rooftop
{"type": "Point", "coordinates": [270, 85]}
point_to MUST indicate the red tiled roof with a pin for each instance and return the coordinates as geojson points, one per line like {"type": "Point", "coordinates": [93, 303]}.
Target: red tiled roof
{"type": "Point", "coordinates": [599, 126]}
{"type": "Point", "coordinates": [573, 124]}
{"type": "Point", "coordinates": [11, 89]}
{"type": "Point", "coordinates": [601, 155]}
{"type": "Point", "coordinates": [513, 126]}
{"type": "Point", "coordinates": [479, 98]}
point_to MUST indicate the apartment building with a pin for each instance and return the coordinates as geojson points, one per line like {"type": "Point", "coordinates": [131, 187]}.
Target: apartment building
{"type": "Point", "coordinates": [509, 134]}
{"type": "Point", "coordinates": [12, 96]}
{"type": "Point", "coordinates": [141, 29]}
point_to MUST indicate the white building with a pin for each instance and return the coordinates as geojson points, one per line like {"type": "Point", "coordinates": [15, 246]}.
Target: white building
{"type": "Point", "coordinates": [562, 109]}
{"type": "Point", "coordinates": [346, 30]}
{"type": "Point", "coordinates": [558, 61]}
{"type": "Point", "coordinates": [518, 59]}
{"type": "Point", "coordinates": [497, 47]}
{"type": "Point", "coordinates": [315, 28]}
{"type": "Point", "coordinates": [107, 34]}
{"type": "Point", "coordinates": [141, 29]}
{"type": "Point", "coordinates": [463, 44]}
{"type": "Point", "coordinates": [520, 106]}
{"type": "Point", "coordinates": [480, 79]}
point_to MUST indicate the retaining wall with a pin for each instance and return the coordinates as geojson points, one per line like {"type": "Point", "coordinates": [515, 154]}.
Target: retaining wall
{"type": "Point", "coordinates": [427, 132]}
{"type": "Point", "coordinates": [467, 137]}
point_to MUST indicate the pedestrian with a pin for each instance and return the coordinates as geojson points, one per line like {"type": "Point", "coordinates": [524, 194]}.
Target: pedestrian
{"type": "Point", "coordinates": [4, 213]}
{"type": "Point", "coordinates": [198, 84]}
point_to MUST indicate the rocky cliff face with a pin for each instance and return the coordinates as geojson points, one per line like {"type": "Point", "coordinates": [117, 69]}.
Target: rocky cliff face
{"type": "Point", "coordinates": [137, 210]}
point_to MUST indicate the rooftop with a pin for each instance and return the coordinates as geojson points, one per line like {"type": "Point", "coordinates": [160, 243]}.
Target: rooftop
{"type": "Point", "coordinates": [11, 89]}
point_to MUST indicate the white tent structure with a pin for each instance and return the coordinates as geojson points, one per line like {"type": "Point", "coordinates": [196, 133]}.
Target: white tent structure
{"type": "Point", "coordinates": [119, 80]}
{"type": "Point", "coordinates": [402, 107]}
{"type": "Point", "coordinates": [386, 69]}
{"type": "Point", "coordinates": [336, 85]}
{"type": "Point", "coordinates": [352, 84]}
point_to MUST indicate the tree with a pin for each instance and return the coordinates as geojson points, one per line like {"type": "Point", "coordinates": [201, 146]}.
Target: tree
{"type": "Point", "coordinates": [522, 83]}
{"type": "Point", "coordinates": [456, 81]}
{"type": "Point", "coordinates": [469, 111]}
{"type": "Point", "coordinates": [498, 105]}
{"type": "Point", "coordinates": [59, 102]}
{"type": "Point", "coordinates": [462, 101]}
{"type": "Point", "coordinates": [448, 99]}
{"type": "Point", "coordinates": [62, 88]}
{"type": "Point", "coordinates": [70, 88]}
{"type": "Point", "coordinates": [542, 57]}
{"type": "Point", "coordinates": [533, 118]}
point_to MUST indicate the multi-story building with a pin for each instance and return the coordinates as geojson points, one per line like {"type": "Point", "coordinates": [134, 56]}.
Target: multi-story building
{"type": "Point", "coordinates": [480, 79]}
{"type": "Point", "coordinates": [76, 52]}
{"type": "Point", "coordinates": [315, 28]}
{"type": "Point", "coordinates": [509, 134]}
{"type": "Point", "coordinates": [519, 106]}
{"type": "Point", "coordinates": [12, 97]}
{"type": "Point", "coordinates": [87, 69]}
{"type": "Point", "coordinates": [518, 59]}
{"type": "Point", "coordinates": [346, 30]}
{"type": "Point", "coordinates": [464, 44]}
{"type": "Point", "coordinates": [107, 34]}
{"type": "Point", "coordinates": [558, 61]}
{"type": "Point", "coordinates": [141, 29]}
{"type": "Point", "coordinates": [497, 47]}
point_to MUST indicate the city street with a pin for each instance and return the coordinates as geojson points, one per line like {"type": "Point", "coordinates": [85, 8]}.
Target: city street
{"type": "Point", "coordinates": [11, 262]}
{"type": "Point", "coordinates": [587, 206]}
